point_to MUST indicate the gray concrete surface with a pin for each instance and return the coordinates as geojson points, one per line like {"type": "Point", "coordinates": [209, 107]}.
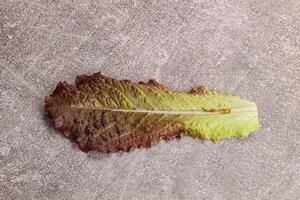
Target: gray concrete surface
{"type": "Point", "coordinates": [246, 47]}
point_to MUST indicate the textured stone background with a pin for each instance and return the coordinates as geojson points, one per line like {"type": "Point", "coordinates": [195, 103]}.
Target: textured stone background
{"type": "Point", "coordinates": [249, 48]}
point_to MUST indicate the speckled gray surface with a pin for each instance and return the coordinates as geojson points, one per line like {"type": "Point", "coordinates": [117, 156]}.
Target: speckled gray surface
{"type": "Point", "coordinates": [249, 48]}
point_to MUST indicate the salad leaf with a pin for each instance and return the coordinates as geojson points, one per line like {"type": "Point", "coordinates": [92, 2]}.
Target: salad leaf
{"type": "Point", "coordinates": [108, 115]}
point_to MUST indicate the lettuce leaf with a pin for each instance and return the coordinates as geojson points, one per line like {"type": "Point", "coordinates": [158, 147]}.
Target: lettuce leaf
{"type": "Point", "coordinates": [108, 115]}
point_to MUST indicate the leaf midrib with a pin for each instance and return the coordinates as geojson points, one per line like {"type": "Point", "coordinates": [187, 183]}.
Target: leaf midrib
{"type": "Point", "coordinates": [250, 110]}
